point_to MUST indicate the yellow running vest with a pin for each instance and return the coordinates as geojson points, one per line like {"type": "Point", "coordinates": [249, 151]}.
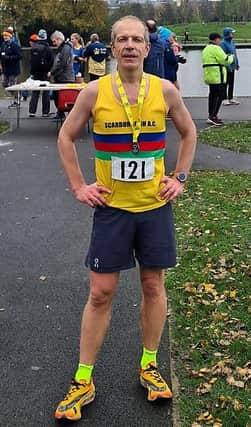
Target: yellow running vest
{"type": "Point", "coordinates": [134, 178]}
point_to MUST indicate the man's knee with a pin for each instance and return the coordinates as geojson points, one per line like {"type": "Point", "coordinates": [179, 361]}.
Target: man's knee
{"type": "Point", "coordinates": [100, 297]}
{"type": "Point", "coordinates": [152, 285]}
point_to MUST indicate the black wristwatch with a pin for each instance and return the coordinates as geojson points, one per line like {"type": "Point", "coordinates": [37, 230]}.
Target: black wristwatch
{"type": "Point", "coordinates": [181, 177]}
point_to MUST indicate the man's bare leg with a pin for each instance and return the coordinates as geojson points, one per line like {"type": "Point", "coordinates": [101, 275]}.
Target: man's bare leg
{"type": "Point", "coordinates": [95, 322]}
{"type": "Point", "coordinates": [96, 315]}
{"type": "Point", "coordinates": [153, 308]}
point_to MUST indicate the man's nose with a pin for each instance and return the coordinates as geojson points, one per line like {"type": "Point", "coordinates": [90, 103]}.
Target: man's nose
{"type": "Point", "coordinates": [129, 43]}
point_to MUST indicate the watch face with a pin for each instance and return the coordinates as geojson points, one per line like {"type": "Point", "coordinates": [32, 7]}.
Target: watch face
{"type": "Point", "coordinates": [181, 177]}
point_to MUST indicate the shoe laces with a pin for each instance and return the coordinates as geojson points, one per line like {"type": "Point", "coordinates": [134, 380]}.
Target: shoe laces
{"type": "Point", "coordinates": [74, 387]}
{"type": "Point", "coordinates": [152, 371]}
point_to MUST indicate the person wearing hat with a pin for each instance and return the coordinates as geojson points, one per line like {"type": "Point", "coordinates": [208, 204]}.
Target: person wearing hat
{"type": "Point", "coordinates": [10, 57]}
{"type": "Point", "coordinates": [228, 46]}
{"type": "Point", "coordinates": [40, 64]}
{"type": "Point", "coordinates": [214, 62]}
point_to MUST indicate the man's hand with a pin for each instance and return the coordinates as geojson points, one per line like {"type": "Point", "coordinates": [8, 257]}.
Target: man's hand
{"type": "Point", "coordinates": [172, 188]}
{"type": "Point", "coordinates": [91, 194]}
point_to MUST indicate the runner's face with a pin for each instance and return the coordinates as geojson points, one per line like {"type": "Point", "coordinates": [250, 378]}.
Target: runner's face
{"type": "Point", "coordinates": [130, 47]}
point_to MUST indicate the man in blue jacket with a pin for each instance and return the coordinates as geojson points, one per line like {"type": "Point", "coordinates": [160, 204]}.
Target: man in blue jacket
{"type": "Point", "coordinates": [154, 62]}
{"type": "Point", "coordinates": [228, 46]}
{"type": "Point", "coordinates": [10, 56]}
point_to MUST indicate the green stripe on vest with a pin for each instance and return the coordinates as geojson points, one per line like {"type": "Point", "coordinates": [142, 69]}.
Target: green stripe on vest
{"type": "Point", "coordinates": [102, 155]}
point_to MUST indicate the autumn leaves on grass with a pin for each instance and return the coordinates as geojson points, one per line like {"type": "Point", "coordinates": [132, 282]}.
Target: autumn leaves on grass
{"type": "Point", "coordinates": [210, 300]}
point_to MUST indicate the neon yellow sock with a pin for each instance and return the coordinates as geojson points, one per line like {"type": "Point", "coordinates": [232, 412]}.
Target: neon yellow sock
{"type": "Point", "coordinates": [84, 372]}
{"type": "Point", "coordinates": [148, 356]}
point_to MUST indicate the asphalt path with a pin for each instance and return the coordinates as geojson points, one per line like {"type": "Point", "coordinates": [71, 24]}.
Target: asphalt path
{"type": "Point", "coordinates": [44, 235]}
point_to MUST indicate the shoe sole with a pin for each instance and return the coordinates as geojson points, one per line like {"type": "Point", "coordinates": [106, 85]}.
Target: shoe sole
{"type": "Point", "coordinates": [214, 123]}
{"type": "Point", "coordinates": [59, 415]}
{"type": "Point", "coordinates": [158, 395]}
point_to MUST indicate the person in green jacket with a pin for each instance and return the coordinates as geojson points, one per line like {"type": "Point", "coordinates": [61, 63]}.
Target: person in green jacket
{"type": "Point", "coordinates": [214, 61]}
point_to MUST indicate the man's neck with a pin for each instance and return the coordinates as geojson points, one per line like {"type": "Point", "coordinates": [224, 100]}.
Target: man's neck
{"type": "Point", "coordinates": [130, 76]}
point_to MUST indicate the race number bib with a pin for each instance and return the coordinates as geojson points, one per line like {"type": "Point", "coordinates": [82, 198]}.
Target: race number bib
{"type": "Point", "coordinates": [132, 170]}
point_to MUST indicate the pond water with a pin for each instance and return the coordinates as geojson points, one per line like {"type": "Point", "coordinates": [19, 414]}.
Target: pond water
{"type": "Point", "coordinates": [189, 74]}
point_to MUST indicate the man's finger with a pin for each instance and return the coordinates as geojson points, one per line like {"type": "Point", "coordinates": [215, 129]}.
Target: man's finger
{"type": "Point", "coordinates": [102, 189]}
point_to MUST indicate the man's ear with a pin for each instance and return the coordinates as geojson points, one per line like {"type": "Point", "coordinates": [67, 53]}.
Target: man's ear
{"type": "Point", "coordinates": [147, 49]}
{"type": "Point", "coordinates": [113, 50]}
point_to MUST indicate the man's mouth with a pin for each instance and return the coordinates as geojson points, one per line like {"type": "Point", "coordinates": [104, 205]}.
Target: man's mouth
{"type": "Point", "coordinates": [129, 56]}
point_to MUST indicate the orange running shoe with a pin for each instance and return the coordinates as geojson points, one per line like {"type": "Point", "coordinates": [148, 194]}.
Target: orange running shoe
{"type": "Point", "coordinates": [151, 379]}
{"type": "Point", "coordinates": [79, 394]}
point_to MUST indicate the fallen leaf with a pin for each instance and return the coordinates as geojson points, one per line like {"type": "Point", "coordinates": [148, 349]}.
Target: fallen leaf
{"type": "Point", "coordinates": [204, 388]}
{"type": "Point", "coordinates": [233, 382]}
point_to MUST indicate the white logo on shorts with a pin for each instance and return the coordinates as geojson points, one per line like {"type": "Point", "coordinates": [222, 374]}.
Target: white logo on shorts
{"type": "Point", "coordinates": [96, 262]}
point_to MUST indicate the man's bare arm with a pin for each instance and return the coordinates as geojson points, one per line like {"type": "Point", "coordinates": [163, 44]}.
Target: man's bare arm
{"type": "Point", "coordinates": [74, 123]}
{"type": "Point", "coordinates": [187, 131]}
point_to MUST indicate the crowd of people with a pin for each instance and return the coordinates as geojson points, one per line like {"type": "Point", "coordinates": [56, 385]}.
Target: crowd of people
{"type": "Point", "coordinates": [66, 65]}
{"type": "Point", "coordinates": [219, 61]}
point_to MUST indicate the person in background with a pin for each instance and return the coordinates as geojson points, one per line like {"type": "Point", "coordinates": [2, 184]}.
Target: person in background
{"type": "Point", "coordinates": [41, 61]}
{"type": "Point", "coordinates": [177, 52]}
{"type": "Point", "coordinates": [62, 69]}
{"type": "Point", "coordinates": [10, 57]}
{"type": "Point", "coordinates": [175, 44]}
{"type": "Point", "coordinates": [214, 62]}
{"type": "Point", "coordinates": [186, 36]}
{"type": "Point", "coordinates": [97, 54]}
{"type": "Point", "coordinates": [228, 46]}
{"type": "Point", "coordinates": [24, 93]}
{"type": "Point", "coordinates": [170, 59]}
{"type": "Point", "coordinates": [154, 62]}
{"type": "Point", "coordinates": [78, 51]}
{"type": "Point", "coordinates": [132, 199]}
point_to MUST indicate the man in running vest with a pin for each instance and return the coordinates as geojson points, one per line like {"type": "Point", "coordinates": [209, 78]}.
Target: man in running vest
{"type": "Point", "coordinates": [131, 198]}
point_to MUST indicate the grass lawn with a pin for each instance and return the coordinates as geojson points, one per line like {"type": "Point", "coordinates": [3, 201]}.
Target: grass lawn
{"type": "Point", "coordinates": [210, 301]}
{"type": "Point", "coordinates": [199, 32]}
{"type": "Point", "coordinates": [233, 136]}
{"type": "Point", "coordinates": [4, 126]}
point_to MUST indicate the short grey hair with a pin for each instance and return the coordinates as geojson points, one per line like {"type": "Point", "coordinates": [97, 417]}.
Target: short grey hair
{"type": "Point", "coordinates": [57, 35]}
{"type": "Point", "coordinates": [94, 37]}
{"type": "Point", "coordinates": [129, 18]}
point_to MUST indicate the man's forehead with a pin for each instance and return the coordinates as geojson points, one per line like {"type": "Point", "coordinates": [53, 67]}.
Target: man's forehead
{"type": "Point", "coordinates": [130, 28]}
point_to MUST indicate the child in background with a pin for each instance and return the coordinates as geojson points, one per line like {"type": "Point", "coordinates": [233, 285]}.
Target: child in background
{"type": "Point", "coordinates": [177, 50]}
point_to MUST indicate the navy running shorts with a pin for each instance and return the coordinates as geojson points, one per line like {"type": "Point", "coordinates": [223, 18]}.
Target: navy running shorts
{"type": "Point", "coordinates": [119, 237]}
